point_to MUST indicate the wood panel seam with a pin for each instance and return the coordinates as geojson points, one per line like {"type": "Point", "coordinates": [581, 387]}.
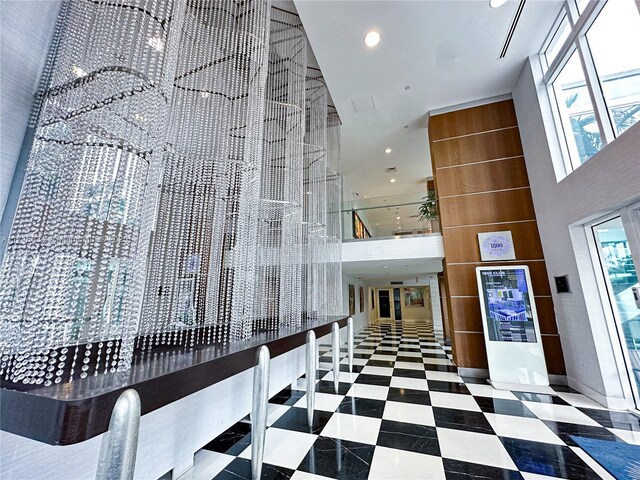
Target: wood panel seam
{"type": "Point", "coordinates": [474, 134]}
{"type": "Point", "coordinates": [484, 192]}
{"type": "Point", "coordinates": [480, 162]}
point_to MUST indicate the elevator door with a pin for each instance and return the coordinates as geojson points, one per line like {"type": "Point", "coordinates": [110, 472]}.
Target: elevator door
{"type": "Point", "coordinates": [384, 304]}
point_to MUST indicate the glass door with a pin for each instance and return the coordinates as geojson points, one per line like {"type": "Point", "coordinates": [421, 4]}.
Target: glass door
{"type": "Point", "coordinates": [616, 242]}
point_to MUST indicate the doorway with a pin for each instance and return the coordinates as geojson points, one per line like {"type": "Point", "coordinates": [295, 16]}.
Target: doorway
{"type": "Point", "coordinates": [618, 249]}
{"type": "Point", "coordinates": [397, 306]}
{"type": "Point", "coordinates": [384, 304]}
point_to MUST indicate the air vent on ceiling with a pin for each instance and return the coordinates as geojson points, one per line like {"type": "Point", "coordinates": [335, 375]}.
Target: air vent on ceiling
{"type": "Point", "coordinates": [512, 28]}
{"type": "Point", "coordinates": [396, 283]}
{"type": "Point", "coordinates": [391, 169]}
{"type": "Point", "coordinates": [363, 104]}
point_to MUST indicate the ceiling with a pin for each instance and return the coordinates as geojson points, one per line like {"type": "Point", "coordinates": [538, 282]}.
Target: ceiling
{"type": "Point", "coordinates": [445, 51]}
{"type": "Point", "coordinates": [385, 270]}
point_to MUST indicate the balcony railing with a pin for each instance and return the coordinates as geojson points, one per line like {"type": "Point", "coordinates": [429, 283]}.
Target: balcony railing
{"type": "Point", "coordinates": [384, 217]}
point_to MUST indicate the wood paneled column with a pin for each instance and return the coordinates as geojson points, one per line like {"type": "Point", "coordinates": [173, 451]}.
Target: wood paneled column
{"type": "Point", "coordinates": [482, 186]}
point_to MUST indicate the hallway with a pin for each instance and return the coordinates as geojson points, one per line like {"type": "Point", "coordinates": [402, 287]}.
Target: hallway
{"type": "Point", "coordinates": [405, 413]}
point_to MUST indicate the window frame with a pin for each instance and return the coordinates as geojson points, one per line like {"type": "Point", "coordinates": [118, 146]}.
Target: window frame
{"type": "Point", "coordinates": [576, 42]}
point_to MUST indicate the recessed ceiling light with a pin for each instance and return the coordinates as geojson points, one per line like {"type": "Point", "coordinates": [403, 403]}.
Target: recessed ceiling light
{"type": "Point", "coordinates": [372, 38]}
{"type": "Point", "coordinates": [497, 3]}
{"type": "Point", "coordinates": [387, 150]}
{"type": "Point", "coordinates": [385, 266]}
{"type": "Point", "coordinates": [393, 180]}
{"type": "Point", "coordinates": [397, 218]}
{"type": "Point", "coordinates": [365, 196]}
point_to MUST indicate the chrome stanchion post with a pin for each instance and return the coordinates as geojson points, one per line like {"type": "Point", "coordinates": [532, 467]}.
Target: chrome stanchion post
{"type": "Point", "coordinates": [350, 343]}
{"type": "Point", "coordinates": [335, 340]}
{"type": "Point", "coordinates": [311, 374]}
{"type": "Point", "coordinates": [259, 411]}
{"type": "Point", "coordinates": [120, 444]}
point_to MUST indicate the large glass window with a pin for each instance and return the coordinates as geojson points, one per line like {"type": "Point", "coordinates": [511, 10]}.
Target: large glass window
{"type": "Point", "coordinates": [592, 62]}
{"type": "Point", "coordinates": [576, 113]}
{"type": "Point", "coordinates": [614, 41]}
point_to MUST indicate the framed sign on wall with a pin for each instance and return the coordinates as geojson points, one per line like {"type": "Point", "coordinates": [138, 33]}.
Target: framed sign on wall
{"type": "Point", "coordinates": [496, 246]}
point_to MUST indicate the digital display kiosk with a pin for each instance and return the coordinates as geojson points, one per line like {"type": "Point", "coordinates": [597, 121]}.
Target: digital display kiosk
{"type": "Point", "coordinates": [511, 329]}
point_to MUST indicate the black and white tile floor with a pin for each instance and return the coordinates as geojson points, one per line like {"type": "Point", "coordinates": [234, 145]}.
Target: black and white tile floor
{"type": "Point", "coordinates": [405, 413]}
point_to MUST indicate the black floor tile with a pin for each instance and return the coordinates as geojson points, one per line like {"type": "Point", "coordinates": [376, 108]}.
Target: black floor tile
{"type": "Point", "coordinates": [434, 355]}
{"type": "Point", "coordinates": [401, 372]}
{"type": "Point", "coordinates": [547, 459]}
{"type": "Point", "coordinates": [462, 420]}
{"type": "Point", "coordinates": [339, 459]}
{"type": "Point", "coordinates": [566, 430]}
{"type": "Point", "coordinates": [408, 396]}
{"type": "Point", "coordinates": [610, 419]}
{"type": "Point", "coordinates": [449, 387]}
{"type": "Point", "coordinates": [373, 379]}
{"type": "Point", "coordinates": [458, 470]}
{"type": "Point", "coordinates": [286, 397]}
{"type": "Point", "coordinates": [233, 441]}
{"type": "Point", "coordinates": [540, 398]}
{"type": "Point", "coordinates": [475, 380]}
{"type": "Point", "coordinates": [364, 407]}
{"type": "Point", "coordinates": [326, 386]}
{"type": "Point", "coordinates": [440, 368]}
{"type": "Point", "coordinates": [344, 367]}
{"type": "Point", "coordinates": [410, 437]}
{"type": "Point", "coordinates": [381, 363]}
{"type": "Point", "coordinates": [504, 407]}
{"type": "Point", "coordinates": [296, 419]}
{"type": "Point", "coordinates": [240, 468]}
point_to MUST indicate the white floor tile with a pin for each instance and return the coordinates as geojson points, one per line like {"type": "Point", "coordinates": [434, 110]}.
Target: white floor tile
{"type": "Point", "coordinates": [386, 371]}
{"type": "Point", "coordinates": [416, 354]}
{"type": "Point", "coordinates": [326, 402]}
{"type": "Point", "coordinates": [364, 351]}
{"type": "Point", "coordinates": [560, 413]}
{"type": "Point", "coordinates": [443, 376]}
{"type": "Point", "coordinates": [521, 427]}
{"type": "Point", "coordinates": [300, 475]}
{"type": "Point", "coordinates": [384, 357]}
{"type": "Point", "coordinates": [595, 466]}
{"type": "Point", "coordinates": [206, 465]}
{"type": "Point", "coordinates": [488, 391]}
{"type": "Point", "coordinates": [409, 413]}
{"type": "Point", "coordinates": [343, 377]}
{"type": "Point", "coordinates": [474, 447]}
{"type": "Point", "coordinates": [284, 448]}
{"type": "Point", "coordinates": [353, 427]}
{"type": "Point", "coordinates": [389, 463]}
{"type": "Point", "coordinates": [411, 383]}
{"type": "Point", "coordinates": [383, 349]}
{"type": "Point", "coordinates": [362, 390]}
{"type": "Point", "coordinates": [410, 365]}
{"type": "Point", "coordinates": [579, 400]}
{"type": "Point", "coordinates": [437, 361]}
{"type": "Point", "coordinates": [626, 435]}
{"type": "Point", "coordinates": [454, 400]}
{"type": "Point", "coordinates": [535, 476]}
{"type": "Point", "coordinates": [356, 361]}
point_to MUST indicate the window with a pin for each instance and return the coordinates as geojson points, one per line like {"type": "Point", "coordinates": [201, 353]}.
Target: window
{"type": "Point", "coordinates": [592, 62]}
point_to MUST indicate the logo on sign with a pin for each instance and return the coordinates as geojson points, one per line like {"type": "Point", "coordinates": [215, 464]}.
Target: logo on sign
{"type": "Point", "coordinates": [496, 245]}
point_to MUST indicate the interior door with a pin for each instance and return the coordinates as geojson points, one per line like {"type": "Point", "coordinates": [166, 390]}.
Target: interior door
{"type": "Point", "coordinates": [617, 243]}
{"type": "Point", "coordinates": [397, 306]}
{"type": "Point", "coordinates": [384, 304]}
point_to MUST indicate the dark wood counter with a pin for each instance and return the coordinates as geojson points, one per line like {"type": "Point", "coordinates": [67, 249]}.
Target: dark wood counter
{"type": "Point", "coordinates": [71, 412]}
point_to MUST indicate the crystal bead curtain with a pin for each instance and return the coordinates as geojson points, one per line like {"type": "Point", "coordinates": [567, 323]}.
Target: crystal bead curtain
{"type": "Point", "coordinates": [203, 255]}
{"type": "Point", "coordinates": [315, 199]}
{"type": "Point", "coordinates": [333, 242]}
{"type": "Point", "coordinates": [278, 293]}
{"type": "Point", "coordinates": [74, 269]}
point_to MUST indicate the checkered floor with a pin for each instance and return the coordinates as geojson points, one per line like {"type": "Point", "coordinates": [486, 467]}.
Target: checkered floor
{"type": "Point", "coordinates": [405, 413]}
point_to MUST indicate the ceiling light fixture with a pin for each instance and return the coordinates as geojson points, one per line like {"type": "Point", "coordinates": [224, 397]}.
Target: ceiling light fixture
{"type": "Point", "coordinates": [385, 266]}
{"type": "Point", "coordinates": [397, 218]}
{"type": "Point", "coordinates": [372, 38]}
{"type": "Point", "coordinates": [393, 180]}
{"type": "Point", "coordinates": [387, 150]}
{"type": "Point", "coordinates": [497, 3]}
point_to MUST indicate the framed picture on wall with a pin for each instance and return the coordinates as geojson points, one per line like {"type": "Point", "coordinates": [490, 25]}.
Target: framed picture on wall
{"type": "Point", "coordinates": [361, 299]}
{"type": "Point", "coordinates": [414, 297]}
{"type": "Point", "coordinates": [359, 230]}
{"type": "Point", "coordinates": [352, 300]}
{"type": "Point", "coordinates": [373, 298]}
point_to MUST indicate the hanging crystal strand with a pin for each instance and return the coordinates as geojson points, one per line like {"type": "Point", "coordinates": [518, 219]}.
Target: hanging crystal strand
{"type": "Point", "coordinates": [334, 216]}
{"type": "Point", "coordinates": [278, 279]}
{"type": "Point", "coordinates": [315, 208]}
{"type": "Point", "coordinates": [74, 268]}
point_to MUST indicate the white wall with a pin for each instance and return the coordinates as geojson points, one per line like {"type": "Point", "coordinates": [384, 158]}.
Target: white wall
{"type": "Point", "coordinates": [360, 319]}
{"type": "Point", "coordinates": [608, 181]}
{"type": "Point", "coordinates": [27, 28]}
